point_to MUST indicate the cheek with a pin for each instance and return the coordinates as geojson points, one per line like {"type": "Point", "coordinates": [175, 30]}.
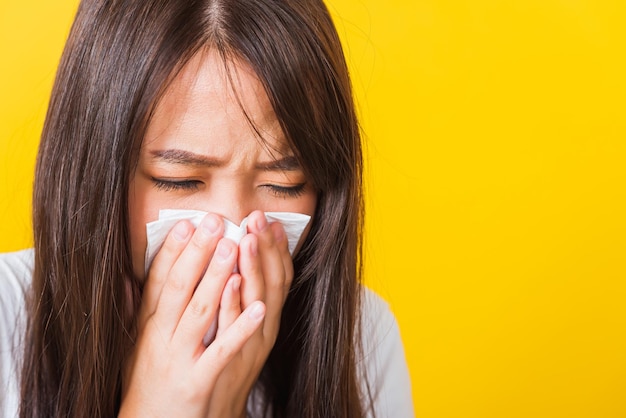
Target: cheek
{"type": "Point", "coordinates": [305, 203]}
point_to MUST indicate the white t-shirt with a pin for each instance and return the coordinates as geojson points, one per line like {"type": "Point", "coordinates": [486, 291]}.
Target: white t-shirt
{"type": "Point", "coordinates": [383, 358]}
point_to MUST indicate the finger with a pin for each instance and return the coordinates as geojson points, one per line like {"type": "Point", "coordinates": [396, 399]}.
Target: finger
{"type": "Point", "coordinates": [218, 355]}
{"type": "Point", "coordinates": [173, 246]}
{"type": "Point", "coordinates": [230, 305]}
{"type": "Point", "coordinates": [187, 270]}
{"type": "Point", "coordinates": [277, 285]}
{"type": "Point", "coordinates": [276, 269]}
{"type": "Point", "coordinates": [280, 239]}
{"type": "Point", "coordinates": [252, 283]}
{"type": "Point", "coordinates": [202, 307]}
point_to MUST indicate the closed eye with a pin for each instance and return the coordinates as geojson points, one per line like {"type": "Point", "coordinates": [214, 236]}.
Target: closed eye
{"type": "Point", "coordinates": [285, 192]}
{"type": "Point", "coordinates": [169, 185]}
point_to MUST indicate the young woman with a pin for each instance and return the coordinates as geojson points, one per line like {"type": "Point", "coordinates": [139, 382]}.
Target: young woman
{"type": "Point", "coordinates": [233, 107]}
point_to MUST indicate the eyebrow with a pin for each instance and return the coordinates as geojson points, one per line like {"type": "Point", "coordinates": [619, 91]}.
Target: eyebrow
{"type": "Point", "coordinates": [177, 156]}
{"type": "Point", "coordinates": [288, 163]}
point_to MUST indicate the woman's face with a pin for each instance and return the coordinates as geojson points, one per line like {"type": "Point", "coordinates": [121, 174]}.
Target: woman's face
{"type": "Point", "coordinates": [202, 152]}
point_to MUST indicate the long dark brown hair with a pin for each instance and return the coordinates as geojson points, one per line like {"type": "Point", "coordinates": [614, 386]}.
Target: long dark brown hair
{"type": "Point", "coordinates": [118, 61]}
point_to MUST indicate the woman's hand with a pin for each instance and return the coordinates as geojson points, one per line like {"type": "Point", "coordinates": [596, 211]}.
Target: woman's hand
{"type": "Point", "coordinates": [171, 372]}
{"type": "Point", "coordinates": [266, 274]}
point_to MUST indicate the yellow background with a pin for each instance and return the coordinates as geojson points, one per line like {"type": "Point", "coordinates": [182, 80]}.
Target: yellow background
{"type": "Point", "coordinates": [496, 187]}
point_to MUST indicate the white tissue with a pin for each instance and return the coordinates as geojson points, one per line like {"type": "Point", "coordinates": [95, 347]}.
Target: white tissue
{"type": "Point", "coordinates": [293, 223]}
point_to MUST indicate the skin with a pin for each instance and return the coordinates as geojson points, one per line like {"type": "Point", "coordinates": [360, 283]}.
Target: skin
{"type": "Point", "coordinates": [200, 152]}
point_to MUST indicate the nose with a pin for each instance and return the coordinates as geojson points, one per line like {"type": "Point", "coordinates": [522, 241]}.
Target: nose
{"type": "Point", "coordinates": [230, 201]}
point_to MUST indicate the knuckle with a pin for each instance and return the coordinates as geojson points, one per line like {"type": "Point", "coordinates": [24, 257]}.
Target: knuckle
{"type": "Point", "coordinates": [275, 278]}
{"type": "Point", "coordinates": [278, 283]}
{"type": "Point", "coordinates": [219, 351]}
{"type": "Point", "coordinates": [176, 284]}
{"type": "Point", "coordinates": [232, 304]}
{"type": "Point", "coordinates": [199, 241]}
{"type": "Point", "coordinates": [242, 330]}
{"type": "Point", "coordinates": [198, 308]}
{"type": "Point", "coordinates": [156, 274]}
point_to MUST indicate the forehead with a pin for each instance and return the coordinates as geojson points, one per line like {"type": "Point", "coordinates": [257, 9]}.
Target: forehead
{"type": "Point", "coordinates": [214, 98]}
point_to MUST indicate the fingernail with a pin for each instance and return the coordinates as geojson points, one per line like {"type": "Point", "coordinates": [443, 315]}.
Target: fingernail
{"type": "Point", "coordinates": [261, 223]}
{"type": "Point", "coordinates": [181, 231]}
{"type": "Point", "coordinates": [257, 311]}
{"type": "Point", "coordinates": [210, 225]}
{"type": "Point", "coordinates": [223, 250]}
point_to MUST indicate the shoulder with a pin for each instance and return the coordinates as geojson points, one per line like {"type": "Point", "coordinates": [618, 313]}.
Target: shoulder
{"type": "Point", "coordinates": [379, 328]}
{"type": "Point", "coordinates": [17, 263]}
{"type": "Point", "coordinates": [16, 270]}
{"type": "Point", "coordinates": [382, 362]}
{"type": "Point", "coordinates": [15, 276]}
{"type": "Point", "coordinates": [375, 311]}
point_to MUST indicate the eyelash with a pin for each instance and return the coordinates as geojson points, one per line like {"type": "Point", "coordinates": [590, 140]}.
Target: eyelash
{"type": "Point", "coordinates": [167, 185]}
{"type": "Point", "coordinates": [193, 185]}
{"type": "Point", "coordinates": [284, 192]}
